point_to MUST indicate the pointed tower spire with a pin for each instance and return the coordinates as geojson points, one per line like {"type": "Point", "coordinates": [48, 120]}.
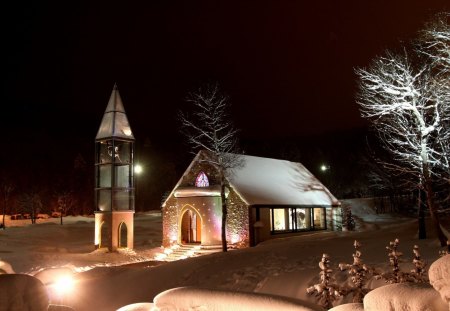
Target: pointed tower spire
{"type": "Point", "coordinates": [115, 122]}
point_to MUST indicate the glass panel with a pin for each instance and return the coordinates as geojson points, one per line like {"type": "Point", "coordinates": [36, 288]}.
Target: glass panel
{"type": "Point", "coordinates": [319, 218]}
{"type": "Point", "coordinates": [123, 200]}
{"type": "Point", "coordinates": [104, 200]}
{"type": "Point", "coordinates": [123, 176]}
{"type": "Point", "coordinates": [279, 220]}
{"type": "Point", "coordinates": [105, 176]}
{"type": "Point", "coordinates": [104, 155]}
{"type": "Point", "coordinates": [123, 152]}
{"type": "Point", "coordinates": [202, 180]}
{"type": "Point", "coordinates": [302, 218]}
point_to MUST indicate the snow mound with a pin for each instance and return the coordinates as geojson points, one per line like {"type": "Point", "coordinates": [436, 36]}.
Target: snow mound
{"type": "Point", "coordinates": [6, 268]}
{"type": "Point", "coordinates": [139, 306]}
{"type": "Point", "coordinates": [192, 298]}
{"type": "Point", "coordinates": [349, 307]}
{"type": "Point", "coordinates": [404, 296]}
{"type": "Point", "coordinates": [21, 292]}
{"type": "Point", "coordinates": [439, 275]}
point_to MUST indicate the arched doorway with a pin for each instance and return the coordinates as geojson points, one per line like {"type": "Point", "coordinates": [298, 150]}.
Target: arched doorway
{"type": "Point", "coordinates": [123, 235]}
{"type": "Point", "coordinates": [105, 235]}
{"type": "Point", "coordinates": [191, 227]}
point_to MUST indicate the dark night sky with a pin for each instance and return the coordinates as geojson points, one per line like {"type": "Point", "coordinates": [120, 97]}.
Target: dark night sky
{"type": "Point", "coordinates": [287, 66]}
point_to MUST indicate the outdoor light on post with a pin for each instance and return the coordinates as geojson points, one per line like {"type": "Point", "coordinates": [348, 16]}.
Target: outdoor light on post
{"type": "Point", "coordinates": [324, 167]}
{"type": "Point", "coordinates": [137, 171]}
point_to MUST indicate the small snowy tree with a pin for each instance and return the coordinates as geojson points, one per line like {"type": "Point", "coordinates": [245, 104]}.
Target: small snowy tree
{"type": "Point", "coordinates": [66, 202]}
{"type": "Point", "coordinates": [326, 291]}
{"type": "Point", "coordinates": [418, 274]}
{"type": "Point", "coordinates": [348, 221]}
{"type": "Point", "coordinates": [209, 128]}
{"type": "Point", "coordinates": [358, 272]}
{"type": "Point", "coordinates": [395, 275]}
{"type": "Point", "coordinates": [31, 203]}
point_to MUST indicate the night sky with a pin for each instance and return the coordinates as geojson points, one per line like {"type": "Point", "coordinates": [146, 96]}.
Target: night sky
{"type": "Point", "coordinates": [287, 66]}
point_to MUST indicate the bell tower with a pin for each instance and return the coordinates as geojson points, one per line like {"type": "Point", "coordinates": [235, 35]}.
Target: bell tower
{"type": "Point", "coordinates": [114, 179]}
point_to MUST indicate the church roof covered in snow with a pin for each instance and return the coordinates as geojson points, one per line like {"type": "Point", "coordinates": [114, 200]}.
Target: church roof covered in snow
{"type": "Point", "coordinates": [266, 181]}
{"type": "Point", "coordinates": [115, 122]}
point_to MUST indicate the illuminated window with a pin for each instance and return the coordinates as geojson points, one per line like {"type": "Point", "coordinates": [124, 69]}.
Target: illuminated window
{"type": "Point", "coordinates": [202, 180]}
{"type": "Point", "coordinates": [291, 219]}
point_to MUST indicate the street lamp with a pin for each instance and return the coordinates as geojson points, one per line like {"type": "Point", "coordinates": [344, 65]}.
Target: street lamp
{"type": "Point", "coordinates": [137, 170]}
{"type": "Point", "coordinates": [324, 168]}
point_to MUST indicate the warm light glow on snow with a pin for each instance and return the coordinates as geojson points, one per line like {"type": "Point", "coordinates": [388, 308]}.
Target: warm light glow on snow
{"type": "Point", "coordinates": [64, 285]}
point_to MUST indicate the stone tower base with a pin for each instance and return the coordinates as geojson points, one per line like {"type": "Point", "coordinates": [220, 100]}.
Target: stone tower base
{"type": "Point", "coordinates": [114, 230]}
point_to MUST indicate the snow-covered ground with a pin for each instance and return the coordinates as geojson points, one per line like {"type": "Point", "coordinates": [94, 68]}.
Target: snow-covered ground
{"type": "Point", "coordinates": [282, 267]}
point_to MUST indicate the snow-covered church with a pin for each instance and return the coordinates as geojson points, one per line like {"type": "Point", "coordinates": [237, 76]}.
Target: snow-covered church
{"type": "Point", "coordinates": [266, 198]}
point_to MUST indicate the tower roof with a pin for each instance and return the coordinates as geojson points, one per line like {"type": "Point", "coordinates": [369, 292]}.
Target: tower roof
{"type": "Point", "coordinates": [115, 122]}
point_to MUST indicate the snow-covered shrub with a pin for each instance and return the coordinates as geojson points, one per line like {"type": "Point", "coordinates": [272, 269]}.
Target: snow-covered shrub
{"type": "Point", "coordinates": [439, 275]}
{"type": "Point", "coordinates": [404, 296]}
{"type": "Point", "coordinates": [194, 298]}
{"type": "Point", "coordinates": [395, 276]}
{"type": "Point", "coordinates": [358, 272]}
{"type": "Point", "coordinates": [418, 274]}
{"type": "Point", "coordinates": [19, 292]}
{"type": "Point", "coordinates": [355, 306]}
{"type": "Point", "coordinates": [5, 268]}
{"type": "Point", "coordinates": [326, 291]}
{"type": "Point", "coordinates": [348, 222]}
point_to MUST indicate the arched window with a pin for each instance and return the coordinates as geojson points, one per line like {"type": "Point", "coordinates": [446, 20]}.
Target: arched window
{"type": "Point", "coordinates": [202, 180]}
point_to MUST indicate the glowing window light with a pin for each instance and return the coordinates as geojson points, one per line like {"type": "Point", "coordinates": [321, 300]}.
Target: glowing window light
{"type": "Point", "coordinates": [201, 180]}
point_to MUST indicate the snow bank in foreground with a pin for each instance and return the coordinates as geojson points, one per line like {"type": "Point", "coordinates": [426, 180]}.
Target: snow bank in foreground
{"type": "Point", "coordinates": [349, 307]}
{"type": "Point", "coordinates": [190, 298]}
{"type": "Point", "coordinates": [139, 306]}
{"type": "Point", "coordinates": [439, 275]}
{"type": "Point", "coordinates": [6, 267]}
{"type": "Point", "coordinates": [20, 292]}
{"type": "Point", "coordinates": [404, 296]}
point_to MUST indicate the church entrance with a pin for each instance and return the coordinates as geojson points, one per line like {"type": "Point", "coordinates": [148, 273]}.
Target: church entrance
{"type": "Point", "coordinates": [191, 227]}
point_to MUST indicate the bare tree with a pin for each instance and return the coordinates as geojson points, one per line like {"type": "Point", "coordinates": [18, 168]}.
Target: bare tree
{"type": "Point", "coordinates": [208, 127]}
{"type": "Point", "coordinates": [31, 203]}
{"type": "Point", "coordinates": [6, 188]}
{"type": "Point", "coordinates": [407, 108]}
{"type": "Point", "coordinates": [66, 201]}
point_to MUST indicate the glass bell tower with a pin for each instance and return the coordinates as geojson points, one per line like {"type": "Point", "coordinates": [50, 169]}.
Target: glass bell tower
{"type": "Point", "coordinates": [114, 180]}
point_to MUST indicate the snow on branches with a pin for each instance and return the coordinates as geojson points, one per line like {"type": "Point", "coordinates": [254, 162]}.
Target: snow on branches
{"type": "Point", "coordinates": [416, 275]}
{"type": "Point", "coordinates": [358, 272]}
{"type": "Point", "coordinates": [326, 291]}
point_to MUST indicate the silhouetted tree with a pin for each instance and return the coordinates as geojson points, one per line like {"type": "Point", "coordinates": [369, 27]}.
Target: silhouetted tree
{"type": "Point", "coordinates": [208, 127]}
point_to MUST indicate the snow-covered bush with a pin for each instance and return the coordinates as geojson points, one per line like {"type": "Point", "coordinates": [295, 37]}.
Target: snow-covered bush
{"type": "Point", "coordinates": [194, 298]}
{"type": "Point", "coordinates": [439, 275]}
{"type": "Point", "coordinates": [348, 222]}
{"type": "Point", "coordinates": [404, 296]}
{"type": "Point", "coordinates": [358, 272]}
{"type": "Point", "coordinates": [22, 292]}
{"type": "Point", "coordinates": [418, 274]}
{"type": "Point", "coordinates": [326, 291]}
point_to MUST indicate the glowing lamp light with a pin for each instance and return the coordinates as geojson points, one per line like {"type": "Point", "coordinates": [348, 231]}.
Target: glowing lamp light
{"type": "Point", "coordinates": [64, 285]}
{"type": "Point", "coordinates": [138, 169]}
{"type": "Point", "coordinates": [323, 167]}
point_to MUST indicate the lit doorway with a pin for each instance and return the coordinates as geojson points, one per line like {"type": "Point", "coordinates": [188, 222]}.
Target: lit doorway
{"type": "Point", "coordinates": [191, 227]}
{"type": "Point", "coordinates": [123, 235]}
